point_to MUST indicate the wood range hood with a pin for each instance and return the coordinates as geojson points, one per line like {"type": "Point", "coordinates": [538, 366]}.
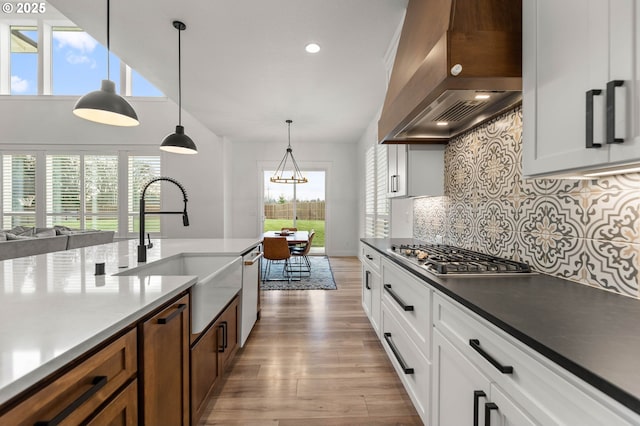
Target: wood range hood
{"type": "Point", "coordinates": [451, 51]}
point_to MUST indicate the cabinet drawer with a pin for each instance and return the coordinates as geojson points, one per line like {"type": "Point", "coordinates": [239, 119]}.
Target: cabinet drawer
{"type": "Point", "coordinates": [79, 392]}
{"type": "Point", "coordinates": [550, 393]}
{"type": "Point", "coordinates": [121, 410]}
{"type": "Point", "coordinates": [411, 365]}
{"type": "Point", "coordinates": [370, 257]}
{"type": "Point", "coordinates": [410, 299]}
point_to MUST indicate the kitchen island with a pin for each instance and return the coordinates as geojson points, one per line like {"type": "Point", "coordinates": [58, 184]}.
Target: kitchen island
{"type": "Point", "coordinates": [54, 307]}
{"type": "Point", "coordinates": [562, 327]}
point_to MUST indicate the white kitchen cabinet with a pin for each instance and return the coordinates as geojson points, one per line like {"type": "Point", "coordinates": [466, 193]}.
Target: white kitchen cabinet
{"type": "Point", "coordinates": [250, 305]}
{"type": "Point", "coordinates": [415, 170]}
{"type": "Point", "coordinates": [371, 285]}
{"type": "Point", "coordinates": [573, 51]}
{"type": "Point", "coordinates": [526, 387]}
{"type": "Point", "coordinates": [463, 395]}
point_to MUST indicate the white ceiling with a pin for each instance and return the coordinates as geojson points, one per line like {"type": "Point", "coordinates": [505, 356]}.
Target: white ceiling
{"type": "Point", "coordinates": [244, 68]}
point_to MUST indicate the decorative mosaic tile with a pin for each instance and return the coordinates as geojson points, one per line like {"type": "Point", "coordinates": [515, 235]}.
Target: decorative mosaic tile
{"type": "Point", "coordinates": [613, 217]}
{"type": "Point", "coordinates": [584, 230]}
{"type": "Point", "coordinates": [612, 266]}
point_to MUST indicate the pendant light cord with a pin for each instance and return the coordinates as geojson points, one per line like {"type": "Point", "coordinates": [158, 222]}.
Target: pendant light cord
{"type": "Point", "coordinates": [179, 79]}
{"type": "Point", "coordinates": [108, 47]}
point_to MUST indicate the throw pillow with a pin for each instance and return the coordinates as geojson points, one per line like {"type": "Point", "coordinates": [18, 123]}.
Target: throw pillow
{"type": "Point", "coordinates": [44, 232]}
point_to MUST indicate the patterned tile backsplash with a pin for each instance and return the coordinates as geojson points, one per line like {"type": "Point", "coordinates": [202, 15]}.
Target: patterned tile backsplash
{"type": "Point", "coordinates": [583, 230]}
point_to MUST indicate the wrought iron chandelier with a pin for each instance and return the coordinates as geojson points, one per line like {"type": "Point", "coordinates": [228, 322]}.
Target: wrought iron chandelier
{"type": "Point", "coordinates": [293, 174]}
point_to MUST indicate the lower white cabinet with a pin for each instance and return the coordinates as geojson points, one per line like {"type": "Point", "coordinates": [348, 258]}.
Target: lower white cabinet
{"type": "Point", "coordinates": [413, 368]}
{"type": "Point", "coordinates": [371, 285]}
{"type": "Point", "coordinates": [460, 369]}
{"type": "Point", "coordinates": [525, 387]}
{"type": "Point", "coordinates": [463, 395]}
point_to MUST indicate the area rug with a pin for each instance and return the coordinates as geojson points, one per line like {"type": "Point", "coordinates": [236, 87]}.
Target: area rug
{"type": "Point", "coordinates": [321, 277]}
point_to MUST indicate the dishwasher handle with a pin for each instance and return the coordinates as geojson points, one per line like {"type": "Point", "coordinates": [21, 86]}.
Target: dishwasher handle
{"type": "Point", "coordinates": [254, 260]}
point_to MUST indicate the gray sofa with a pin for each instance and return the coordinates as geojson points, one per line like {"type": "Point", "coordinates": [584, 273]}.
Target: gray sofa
{"type": "Point", "coordinates": [21, 241]}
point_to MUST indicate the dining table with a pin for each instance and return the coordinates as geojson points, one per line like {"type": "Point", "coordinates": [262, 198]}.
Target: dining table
{"type": "Point", "coordinates": [293, 237]}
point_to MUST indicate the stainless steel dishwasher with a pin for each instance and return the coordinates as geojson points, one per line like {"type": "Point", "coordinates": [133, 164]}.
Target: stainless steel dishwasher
{"type": "Point", "coordinates": [250, 292]}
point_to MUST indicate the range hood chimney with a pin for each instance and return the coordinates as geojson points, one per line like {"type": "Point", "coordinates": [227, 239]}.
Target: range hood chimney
{"type": "Point", "coordinates": [458, 62]}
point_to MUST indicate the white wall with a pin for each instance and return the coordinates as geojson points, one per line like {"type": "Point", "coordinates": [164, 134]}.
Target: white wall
{"type": "Point", "coordinates": [341, 162]}
{"type": "Point", "coordinates": [40, 122]}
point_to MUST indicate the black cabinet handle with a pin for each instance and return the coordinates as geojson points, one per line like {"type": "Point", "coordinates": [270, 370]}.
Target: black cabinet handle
{"type": "Point", "coordinates": [172, 315]}
{"type": "Point", "coordinates": [611, 111]}
{"type": "Point", "coordinates": [97, 383]}
{"type": "Point", "coordinates": [488, 407]}
{"type": "Point", "coordinates": [397, 298]}
{"type": "Point", "coordinates": [367, 275]}
{"type": "Point", "coordinates": [476, 406]}
{"type": "Point", "coordinates": [369, 257]}
{"type": "Point", "coordinates": [403, 365]}
{"type": "Point", "coordinates": [589, 119]}
{"type": "Point", "coordinates": [394, 183]}
{"type": "Point", "coordinates": [223, 327]}
{"type": "Point", "coordinates": [504, 369]}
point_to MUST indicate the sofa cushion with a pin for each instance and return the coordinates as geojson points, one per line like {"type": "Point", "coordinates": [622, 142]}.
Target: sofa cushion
{"type": "Point", "coordinates": [11, 236]}
{"type": "Point", "coordinates": [45, 232]}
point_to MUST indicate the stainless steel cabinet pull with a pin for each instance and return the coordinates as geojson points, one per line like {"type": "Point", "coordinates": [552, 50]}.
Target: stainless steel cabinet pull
{"type": "Point", "coordinates": [488, 407]}
{"type": "Point", "coordinates": [611, 111]}
{"type": "Point", "coordinates": [254, 260]}
{"type": "Point", "coordinates": [476, 406]}
{"type": "Point", "coordinates": [504, 369]}
{"type": "Point", "coordinates": [397, 298]}
{"type": "Point", "coordinates": [172, 315]}
{"type": "Point", "coordinates": [394, 183]}
{"type": "Point", "coordinates": [589, 119]}
{"type": "Point", "coordinates": [97, 383]}
{"type": "Point", "coordinates": [403, 365]}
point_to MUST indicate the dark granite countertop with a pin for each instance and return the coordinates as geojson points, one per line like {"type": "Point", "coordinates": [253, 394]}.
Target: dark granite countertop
{"type": "Point", "coordinates": [589, 332]}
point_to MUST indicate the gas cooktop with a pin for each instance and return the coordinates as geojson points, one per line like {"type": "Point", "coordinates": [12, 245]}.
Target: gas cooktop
{"type": "Point", "coordinates": [440, 259]}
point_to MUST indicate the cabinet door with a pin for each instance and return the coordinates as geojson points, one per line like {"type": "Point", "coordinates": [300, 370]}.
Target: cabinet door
{"type": "Point", "coordinates": [121, 411]}
{"type": "Point", "coordinates": [371, 296]}
{"type": "Point", "coordinates": [623, 56]}
{"type": "Point", "coordinates": [460, 391]}
{"type": "Point", "coordinates": [227, 326]}
{"type": "Point", "coordinates": [506, 412]}
{"type": "Point", "coordinates": [165, 354]}
{"type": "Point", "coordinates": [397, 169]}
{"type": "Point", "coordinates": [565, 54]}
{"type": "Point", "coordinates": [204, 370]}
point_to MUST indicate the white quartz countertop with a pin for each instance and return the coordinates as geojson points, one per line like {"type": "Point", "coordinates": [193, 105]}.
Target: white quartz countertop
{"type": "Point", "coordinates": [54, 308]}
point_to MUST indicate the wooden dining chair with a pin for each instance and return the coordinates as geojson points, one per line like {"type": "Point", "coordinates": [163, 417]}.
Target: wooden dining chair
{"type": "Point", "coordinates": [275, 249]}
{"type": "Point", "coordinates": [302, 255]}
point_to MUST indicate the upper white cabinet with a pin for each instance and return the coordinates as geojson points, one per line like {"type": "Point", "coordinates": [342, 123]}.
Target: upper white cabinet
{"type": "Point", "coordinates": [580, 100]}
{"type": "Point", "coordinates": [415, 170]}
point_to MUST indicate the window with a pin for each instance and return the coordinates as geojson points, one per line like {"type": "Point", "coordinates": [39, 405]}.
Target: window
{"type": "Point", "coordinates": [24, 60]}
{"type": "Point", "coordinates": [140, 170]}
{"type": "Point", "coordinates": [18, 190]}
{"type": "Point", "coordinates": [71, 62]}
{"type": "Point", "coordinates": [63, 191]}
{"type": "Point", "coordinates": [101, 192]}
{"type": "Point", "coordinates": [141, 87]}
{"type": "Point", "coordinates": [376, 221]}
{"type": "Point", "coordinates": [76, 53]}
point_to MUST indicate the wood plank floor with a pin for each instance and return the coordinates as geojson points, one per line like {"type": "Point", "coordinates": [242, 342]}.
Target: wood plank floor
{"type": "Point", "coordinates": [313, 359]}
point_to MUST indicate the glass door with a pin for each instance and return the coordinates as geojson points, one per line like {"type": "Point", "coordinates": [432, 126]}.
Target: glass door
{"type": "Point", "coordinates": [300, 206]}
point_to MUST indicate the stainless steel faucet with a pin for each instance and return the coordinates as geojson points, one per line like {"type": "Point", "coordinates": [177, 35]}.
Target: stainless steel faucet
{"type": "Point", "coordinates": [142, 248]}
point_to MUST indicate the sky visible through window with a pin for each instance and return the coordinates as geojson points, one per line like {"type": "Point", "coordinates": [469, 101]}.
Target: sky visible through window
{"type": "Point", "coordinates": [79, 64]}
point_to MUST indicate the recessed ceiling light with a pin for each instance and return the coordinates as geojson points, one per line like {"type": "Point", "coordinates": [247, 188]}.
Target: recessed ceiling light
{"type": "Point", "coordinates": [312, 48]}
{"type": "Point", "coordinates": [442, 123]}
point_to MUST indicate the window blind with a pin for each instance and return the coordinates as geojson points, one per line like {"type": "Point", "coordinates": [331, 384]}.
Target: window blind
{"type": "Point", "coordinates": [64, 190]}
{"type": "Point", "coordinates": [140, 170]}
{"type": "Point", "coordinates": [18, 190]}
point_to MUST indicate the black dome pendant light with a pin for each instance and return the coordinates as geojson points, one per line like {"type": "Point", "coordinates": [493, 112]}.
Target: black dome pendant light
{"type": "Point", "coordinates": [178, 142]}
{"type": "Point", "coordinates": [105, 105]}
